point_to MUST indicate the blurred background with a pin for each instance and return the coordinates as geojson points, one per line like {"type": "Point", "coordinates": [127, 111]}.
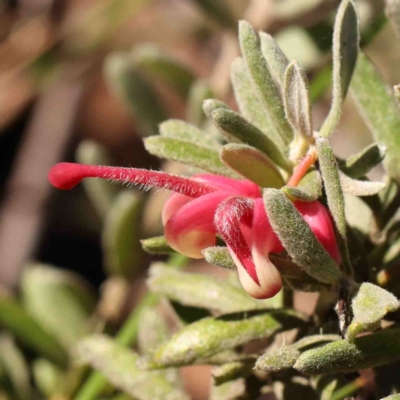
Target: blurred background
{"type": "Point", "coordinates": [86, 80]}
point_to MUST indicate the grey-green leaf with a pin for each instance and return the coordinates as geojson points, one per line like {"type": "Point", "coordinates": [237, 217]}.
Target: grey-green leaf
{"type": "Point", "coordinates": [275, 57]}
{"type": "Point", "coordinates": [235, 126]}
{"type": "Point", "coordinates": [298, 239]}
{"type": "Point", "coordinates": [263, 82]}
{"type": "Point", "coordinates": [343, 356]}
{"type": "Point", "coordinates": [249, 104]}
{"type": "Point", "coordinates": [251, 164]}
{"type": "Point", "coordinates": [345, 51]}
{"type": "Point", "coordinates": [370, 305]}
{"type": "Point", "coordinates": [48, 377]}
{"type": "Point", "coordinates": [198, 290]}
{"type": "Point", "coordinates": [121, 233]}
{"type": "Point", "coordinates": [278, 360]}
{"type": "Point", "coordinates": [118, 365]}
{"type": "Point", "coordinates": [187, 153]}
{"type": "Point", "coordinates": [152, 60]}
{"type": "Point", "coordinates": [156, 245]}
{"type": "Point", "coordinates": [382, 115]}
{"type": "Point", "coordinates": [362, 162]}
{"type": "Point", "coordinates": [139, 96]}
{"type": "Point", "coordinates": [296, 100]}
{"type": "Point", "coordinates": [231, 371]}
{"type": "Point", "coordinates": [358, 187]}
{"type": "Point", "coordinates": [60, 300]}
{"type": "Point", "coordinates": [212, 335]}
{"type": "Point", "coordinates": [311, 184]}
{"type": "Point", "coordinates": [219, 256]}
{"type": "Point", "coordinates": [296, 194]}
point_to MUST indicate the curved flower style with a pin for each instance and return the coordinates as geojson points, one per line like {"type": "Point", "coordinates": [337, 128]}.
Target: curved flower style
{"type": "Point", "coordinates": [206, 205]}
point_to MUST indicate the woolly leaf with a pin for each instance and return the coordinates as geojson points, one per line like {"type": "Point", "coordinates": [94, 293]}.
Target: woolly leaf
{"type": "Point", "coordinates": [298, 239]}
{"type": "Point", "coordinates": [359, 188]}
{"type": "Point", "coordinates": [311, 184]}
{"type": "Point", "coordinates": [263, 82]}
{"type": "Point", "coordinates": [235, 126]}
{"type": "Point", "coordinates": [296, 194]}
{"type": "Point", "coordinates": [249, 104]}
{"type": "Point", "coordinates": [118, 365]}
{"type": "Point", "coordinates": [345, 51]}
{"type": "Point", "coordinates": [122, 251]}
{"type": "Point", "coordinates": [230, 371]}
{"type": "Point", "coordinates": [370, 305]}
{"type": "Point", "coordinates": [296, 100]}
{"type": "Point", "coordinates": [140, 98]}
{"type": "Point", "coordinates": [362, 162]}
{"type": "Point", "coordinates": [219, 256]}
{"type": "Point", "coordinates": [187, 153]}
{"type": "Point", "coordinates": [251, 164]}
{"type": "Point", "coordinates": [382, 115]}
{"type": "Point", "coordinates": [152, 60]}
{"type": "Point", "coordinates": [212, 335]}
{"type": "Point", "coordinates": [275, 57]}
{"type": "Point", "coordinates": [343, 356]}
{"type": "Point", "coordinates": [60, 300]}
{"type": "Point", "coordinates": [277, 360]}
{"type": "Point", "coordinates": [199, 92]}
{"type": "Point", "coordinates": [211, 105]}
{"type": "Point", "coordinates": [156, 245]}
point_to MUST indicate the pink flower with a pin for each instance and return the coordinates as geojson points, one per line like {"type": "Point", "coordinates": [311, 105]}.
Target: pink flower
{"type": "Point", "coordinates": [204, 206]}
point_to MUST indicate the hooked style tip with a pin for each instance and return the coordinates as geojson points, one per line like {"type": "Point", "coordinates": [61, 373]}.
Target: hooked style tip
{"type": "Point", "coordinates": [65, 176]}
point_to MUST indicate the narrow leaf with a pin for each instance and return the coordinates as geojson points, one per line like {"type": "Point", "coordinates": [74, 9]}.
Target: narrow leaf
{"type": "Point", "coordinates": [296, 100]}
{"type": "Point", "coordinates": [275, 57]}
{"type": "Point", "coordinates": [357, 187]}
{"type": "Point", "coordinates": [278, 360]}
{"type": "Point", "coordinates": [211, 335]}
{"type": "Point", "coordinates": [120, 235]}
{"type": "Point", "coordinates": [362, 162]}
{"type": "Point", "coordinates": [345, 51]}
{"type": "Point", "coordinates": [249, 104]}
{"type": "Point", "coordinates": [177, 129]}
{"type": "Point", "coordinates": [382, 115]}
{"type": "Point", "coordinates": [140, 98]}
{"type": "Point", "coordinates": [211, 105]}
{"type": "Point", "coordinates": [251, 164]}
{"type": "Point", "coordinates": [199, 92]}
{"type": "Point", "coordinates": [219, 256]}
{"type": "Point", "coordinates": [152, 60]}
{"type": "Point", "coordinates": [60, 300]}
{"type": "Point", "coordinates": [263, 82]}
{"type": "Point", "coordinates": [370, 305]}
{"type": "Point", "coordinates": [198, 290]}
{"type": "Point", "coordinates": [156, 245]}
{"type": "Point", "coordinates": [298, 239]}
{"type": "Point", "coordinates": [296, 194]}
{"type": "Point", "coordinates": [231, 371]}
{"type": "Point", "coordinates": [330, 177]}
{"type": "Point", "coordinates": [343, 356]}
{"type": "Point", "coordinates": [311, 184]}
{"type": "Point", "coordinates": [48, 377]}
{"type": "Point", "coordinates": [118, 365]}
{"type": "Point", "coordinates": [29, 331]}
{"type": "Point", "coordinates": [235, 126]}
{"type": "Point", "coordinates": [187, 153]}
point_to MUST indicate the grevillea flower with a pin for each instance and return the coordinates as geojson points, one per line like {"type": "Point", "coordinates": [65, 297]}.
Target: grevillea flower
{"type": "Point", "coordinates": [204, 206]}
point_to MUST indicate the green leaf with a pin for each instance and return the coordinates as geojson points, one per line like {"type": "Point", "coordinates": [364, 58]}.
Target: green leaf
{"type": "Point", "coordinates": [370, 305]}
{"type": "Point", "coordinates": [187, 153]}
{"type": "Point", "coordinates": [345, 51]}
{"type": "Point", "coordinates": [212, 335]}
{"type": "Point", "coordinates": [263, 82]}
{"type": "Point", "coordinates": [141, 99]}
{"type": "Point", "coordinates": [330, 177]}
{"type": "Point", "coordinates": [362, 162]}
{"type": "Point", "coordinates": [275, 57]}
{"type": "Point", "coordinates": [219, 256]}
{"type": "Point", "coordinates": [198, 290]}
{"type": "Point", "coordinates": [29, 331]}
{"type": "Point", "coordinates": [231, 371]}
{"type": "Point", "coordinates": [122, 250]}
{"type": "Point", "coordinates": [235, 126]}
{"type": "Point", "coordinates": [60, 300]}
{"type": "Point", "coordinates": [311, 184]}
{"type": "Point", "coordinates": [249, 104]}
{"type": "Point", "coordinates": [296, 194]}
{"type": "Point", "coordinates": [100, 191]}
{"type": "Point", "coordinates": [357, 187]}
{"type": "Point", "coordinates": [199, 92]}
{"type": "Point", "coordinates": [118, 365]}
{"type": "Point", "coordinates": [343, 356]}
{"type": "Point", "coordinates": [48, 377]}
{"type": "Point", "coordinates": [296, 100]}
{"type": "Point", "coordinates": [177, 129]}
{"type": "Point", "coordinates": [15, 367]}
{"type": "Point", "coordinates": [326, 385]}
{"type": "Point", "coordinates": [211, 105]}
{"type": "Point", "coordinates": [251, 164]}
{"type": "Point", "coordinates": [152, 60]}
{"type": "Point", "coordinates": [382, 114]}
{"type": "Point", "coordinates": [156, 245]}
{"type": "Point", "coordinates": [298, 239]}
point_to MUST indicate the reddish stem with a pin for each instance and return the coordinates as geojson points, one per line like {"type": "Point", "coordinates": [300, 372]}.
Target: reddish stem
{"type": "Point", "coordinates": [67, 175]}
{"type": "Point", "coordinates": [308, 160]}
